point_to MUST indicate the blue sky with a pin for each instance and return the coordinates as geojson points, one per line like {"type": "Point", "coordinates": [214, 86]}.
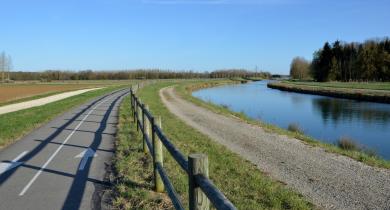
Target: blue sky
{"type": "Point", "coordinates": [200, 35]}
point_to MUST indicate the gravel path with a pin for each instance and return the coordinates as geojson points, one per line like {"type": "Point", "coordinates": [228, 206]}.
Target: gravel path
{"type": "Point", "coordinates": [42, 101]}
{"type": "Point", "coordinates": [328, 180]}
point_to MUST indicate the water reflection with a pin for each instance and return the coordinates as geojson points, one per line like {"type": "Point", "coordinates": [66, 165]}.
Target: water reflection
{"type": "Point", "coordinates": [339, 110]}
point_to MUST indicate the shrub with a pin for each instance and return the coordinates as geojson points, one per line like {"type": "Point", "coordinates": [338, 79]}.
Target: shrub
{"type": "Point", "coordinates": [225, 106]}
{"type": "Point", "coordinates": [347, 143]}
{"type": "Point", "coordinates": [370, 152]}
{"type": "Point", "coordinates": [294, 127]}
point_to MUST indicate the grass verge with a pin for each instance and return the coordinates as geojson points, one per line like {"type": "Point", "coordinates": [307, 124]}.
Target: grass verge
{"type": "Point", "coordinates": [368, 158]}
{"type": "Point", "coordinates": [16, 124]}
{"type": "Point", "coordinates": [238, 179]}
{"type": "Point", "coordinates": [133, 187]}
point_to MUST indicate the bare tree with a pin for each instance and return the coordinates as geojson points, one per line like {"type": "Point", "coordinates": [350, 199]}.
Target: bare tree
{"type": "Point", "coordinates": [299, 68]}
{"type": "Point", "coordinates": [3, 64]}
{"type": "Point", "coordinates": [9, 66]}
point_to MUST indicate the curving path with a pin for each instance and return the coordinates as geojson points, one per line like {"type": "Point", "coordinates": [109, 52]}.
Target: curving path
{"type": "Point", "coordinates": [328, 180]}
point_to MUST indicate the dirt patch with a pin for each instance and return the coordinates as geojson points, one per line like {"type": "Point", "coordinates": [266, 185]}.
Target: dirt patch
{"type": "Point", "coordinates": [15, 92]}
{"type": "Point", "coordinates": [41, 101]}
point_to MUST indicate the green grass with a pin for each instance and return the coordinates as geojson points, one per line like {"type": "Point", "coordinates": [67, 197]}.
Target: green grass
{"type": "Point", "coordinates": [238, 179]}
{"type": "Point", "coordinates": [133, 187]}
{"type": "Point", "coordinates": [365, 156]}
{"type": "Point", "coordinates": [16, 124]}
{"type": "Point", "coordinates": [349, 85]}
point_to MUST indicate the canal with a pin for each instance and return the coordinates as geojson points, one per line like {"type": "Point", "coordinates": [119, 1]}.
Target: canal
{"type": "Point", "coordinates": [324, 118]}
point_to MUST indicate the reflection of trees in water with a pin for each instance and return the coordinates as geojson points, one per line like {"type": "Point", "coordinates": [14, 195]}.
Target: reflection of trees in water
{"type": "Point", "coordinates": [298, 98]}
{"type": "Point", "coordinates": [348, 110]}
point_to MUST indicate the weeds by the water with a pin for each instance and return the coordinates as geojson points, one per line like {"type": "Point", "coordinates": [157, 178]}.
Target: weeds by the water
{"type": "Point", "coordinates": [294, 127]}
{"type": "Point", "coordinates": [225, 106]}
{"type": "Point", "coordinates": [347, 143]}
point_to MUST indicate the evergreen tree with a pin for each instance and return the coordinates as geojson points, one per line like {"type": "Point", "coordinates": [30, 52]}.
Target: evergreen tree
{"type": "Point", "coordinates": [368, 61]}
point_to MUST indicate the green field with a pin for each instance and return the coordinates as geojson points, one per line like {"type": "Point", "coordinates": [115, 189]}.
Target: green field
{"type": "Point", "coordinates": [238, 179]}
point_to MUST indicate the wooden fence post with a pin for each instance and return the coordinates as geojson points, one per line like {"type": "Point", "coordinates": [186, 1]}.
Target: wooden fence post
{"type": "Point", "coordinates": [133, 110]}
{"type": "Point", "coordinates": [136, 113]}
{"type": "Point", "coordinates": [131, 102]}
{"type": "Point", "coordinates": [157, 156]}
{"type": "Point", "coordinates": [139, 115]}
{"type": "Point", "coordinates": [197, 164]}
{"type": "Point", "coordinates": [146, 126]}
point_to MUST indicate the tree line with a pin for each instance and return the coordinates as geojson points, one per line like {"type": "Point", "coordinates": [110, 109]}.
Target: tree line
{"type": "Point", "coordinates": [51, 75]}
{"type": "Point", "coordinates": [341, 61]}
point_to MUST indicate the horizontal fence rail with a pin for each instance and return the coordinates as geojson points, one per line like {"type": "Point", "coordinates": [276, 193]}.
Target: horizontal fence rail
{"type": "Point", "coordinates": [202, 191]}
{"type": "Point", "coordinates": [176, 154]}
{"type": "Point", "coordinates": [170, 189]}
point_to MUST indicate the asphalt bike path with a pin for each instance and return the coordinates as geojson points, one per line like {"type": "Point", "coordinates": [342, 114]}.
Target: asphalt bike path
{"type": "Point", "coordinates": [62, 164]}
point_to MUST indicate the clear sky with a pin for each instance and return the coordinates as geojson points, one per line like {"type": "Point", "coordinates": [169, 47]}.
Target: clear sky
{"type": "Point", "coordinates": [181, 34]}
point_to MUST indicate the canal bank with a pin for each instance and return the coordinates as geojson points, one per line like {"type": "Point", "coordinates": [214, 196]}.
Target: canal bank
{"type": "Point", "coordinates": [324, 119]}
{"type": "Point", "coordinates": [328, 180]}
{"type": "Point", "coordinates": [379, 96]}
{"type": "Point", "coordinates": [237, 178]}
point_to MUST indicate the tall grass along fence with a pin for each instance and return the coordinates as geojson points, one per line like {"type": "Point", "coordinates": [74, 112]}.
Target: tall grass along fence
{"type": "Point", "coordinates": [202, 191]}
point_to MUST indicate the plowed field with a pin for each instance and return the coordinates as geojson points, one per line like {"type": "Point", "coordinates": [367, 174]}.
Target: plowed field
{"type": "Point", "coordinates": [15, 92]}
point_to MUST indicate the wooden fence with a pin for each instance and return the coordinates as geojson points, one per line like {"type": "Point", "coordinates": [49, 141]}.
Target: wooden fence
{"type": "Point", "coordinates": [202, 191]}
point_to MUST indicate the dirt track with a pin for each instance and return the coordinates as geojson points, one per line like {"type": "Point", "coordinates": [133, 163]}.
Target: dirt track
{"type": "Point", "coordinates": [328, 180]}
{"type": "Point", "coordinates": [41, 101]}
{"type": "Point", "coordinates": [11, 92]}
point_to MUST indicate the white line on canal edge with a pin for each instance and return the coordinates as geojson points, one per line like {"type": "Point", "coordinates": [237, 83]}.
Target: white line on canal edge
{"type": "Point", "coordinates": [59, 148]}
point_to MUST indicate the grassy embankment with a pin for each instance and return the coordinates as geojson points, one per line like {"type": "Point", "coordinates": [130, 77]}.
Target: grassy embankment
{"type": "Point", "coordinates": [246, 79]}
{"type": "Point", "coordinates": [239, 79]}
{"type": "Point", "coordinates": [375, 92]}
{"type": "Point", "coordinates": [368, 158]}
{"type": "Point", "coordinates": [353, 85]}
{"type": "Point", "coordinates": [254, 79]}
{"type": "Point", "coordinates": [16, 124]}
{"type": "Point", "coordinates": [238, 179]}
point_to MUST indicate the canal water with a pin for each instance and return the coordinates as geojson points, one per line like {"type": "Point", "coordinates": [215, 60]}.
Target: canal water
{"type": "Point", "coordinates": [324, 118]}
